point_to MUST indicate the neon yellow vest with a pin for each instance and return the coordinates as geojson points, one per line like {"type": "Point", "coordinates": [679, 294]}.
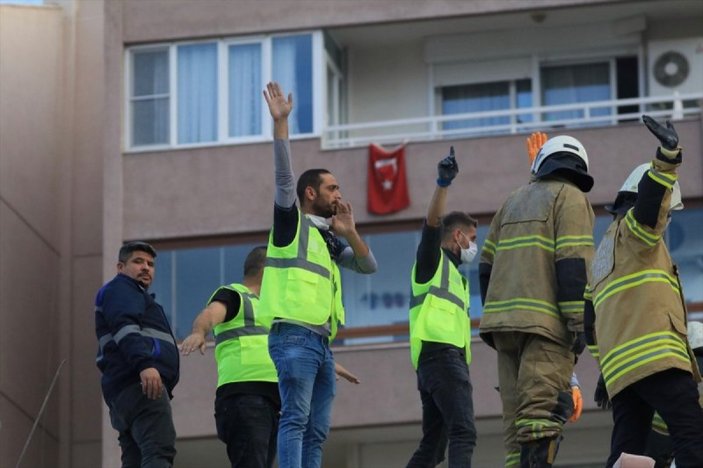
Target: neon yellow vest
{"type": "Point", "coordinates": [439, 310]}
{"type": "Point", "coordinates": [241, 344]}
{"type": "Point", "coordinates": [301, 281]}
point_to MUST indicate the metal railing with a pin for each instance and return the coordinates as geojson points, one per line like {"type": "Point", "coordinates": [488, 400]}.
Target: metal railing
{"type": "Point", "coordinates": [510, 121]}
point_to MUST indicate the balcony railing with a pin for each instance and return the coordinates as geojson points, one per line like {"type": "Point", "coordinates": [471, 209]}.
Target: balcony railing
{"type": "Point", "coordinates": [523, 120]}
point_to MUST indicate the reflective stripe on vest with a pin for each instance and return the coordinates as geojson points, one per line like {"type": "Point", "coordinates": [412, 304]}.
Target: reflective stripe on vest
{"type": "Point", "coordinates": [241, 344]}
{"type": "Point", "coordinates": [442, 291]}
{"type": "Point", "coordinates": [301, 261]}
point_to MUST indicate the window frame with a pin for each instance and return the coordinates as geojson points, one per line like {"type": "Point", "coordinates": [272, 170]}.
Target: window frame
{"type": "Point", "coordinates": [319, 85]}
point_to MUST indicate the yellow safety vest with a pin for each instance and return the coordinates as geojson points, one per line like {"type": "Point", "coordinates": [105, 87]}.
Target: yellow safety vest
{"type": "Point", "coordinates": [241, 344]}
{"type": "Point", "coordinates": [439, 310]}
{"type": "Point", "coordinates": [301, 281]}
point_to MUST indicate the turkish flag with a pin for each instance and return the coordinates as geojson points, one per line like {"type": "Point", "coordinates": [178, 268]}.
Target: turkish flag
{"type": "Point", "coordinates": [388, 184]}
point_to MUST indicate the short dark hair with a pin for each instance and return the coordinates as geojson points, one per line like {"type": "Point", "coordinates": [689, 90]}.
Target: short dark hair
{"type": "Point", "coordinates": [134, 246]}
{"type": "Point", "coordinates": [255, 261]}
{"type": "Point", "coordinates": [310, 178]}
{"type": "Point", "coordinates": [456, 219]}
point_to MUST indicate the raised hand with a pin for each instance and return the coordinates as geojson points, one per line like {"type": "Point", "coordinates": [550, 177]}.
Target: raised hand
{"type": "Point", "coordinates": [279, 106]}
{"type": "Point", "coordinates": [533, 143]}
{"type": "Point", "coordinates": [666, 135]}
{"type": "Point", "coordinates": [447, 169]}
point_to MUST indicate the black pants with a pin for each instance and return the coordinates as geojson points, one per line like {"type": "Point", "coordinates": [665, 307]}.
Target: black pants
{"type": "Point", "coordinates": [673, 394]}
{"type": "Point", "coordinates": [147, 436]}
{"type": "Point", "coordinates": [447, 410]}
{"type": "Point", "coordinates": [248, 424]}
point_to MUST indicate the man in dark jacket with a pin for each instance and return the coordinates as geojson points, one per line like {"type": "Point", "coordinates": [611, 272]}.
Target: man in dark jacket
{"type": "Point", "coordinates": [138, 359]}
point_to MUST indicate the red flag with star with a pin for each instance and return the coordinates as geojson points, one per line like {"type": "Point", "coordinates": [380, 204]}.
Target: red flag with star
{"type": "Point", "coordinates": [388, 183]}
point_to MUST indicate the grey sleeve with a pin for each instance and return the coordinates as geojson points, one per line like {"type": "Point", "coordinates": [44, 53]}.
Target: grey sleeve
{"type": "Point", "coordinates": [348, 260]}
{"type": "Point", "coordinates": [285, 180]}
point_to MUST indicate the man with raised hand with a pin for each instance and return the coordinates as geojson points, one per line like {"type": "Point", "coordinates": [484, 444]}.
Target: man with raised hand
{"type": "Point", "coordinates": [301, 293]}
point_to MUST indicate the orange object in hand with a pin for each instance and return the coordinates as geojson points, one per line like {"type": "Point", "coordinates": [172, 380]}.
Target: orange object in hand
{"type": "Point", "coordinates": [578, 403]}
{"type": "Point", "coordinates": [534, 142]}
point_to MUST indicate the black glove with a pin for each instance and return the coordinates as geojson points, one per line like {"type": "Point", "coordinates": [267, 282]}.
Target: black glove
{"type": "Point", "coordinates": [601, 395]}
{"type": "Point", "coordinates": [447, 169]}
{"type": "Point", "coordinates": [579, 343]}
{"type": "Point", "coordinates": [667, 135]}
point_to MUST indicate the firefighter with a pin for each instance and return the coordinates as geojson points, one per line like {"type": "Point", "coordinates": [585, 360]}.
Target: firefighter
{"type": "Point", "coordinates": [532, 275]}
{"type": "Point", "coordinates": [637, 320]}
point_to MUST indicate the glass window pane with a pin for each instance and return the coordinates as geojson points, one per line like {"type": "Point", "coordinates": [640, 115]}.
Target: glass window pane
{"type": "Point", "coordinates": [685, 240]}
{"type": "Point", "coordinates": [575, 83]}
{"type": "Point", "coordinates": [197, 93]}
{"type": "Point", "coordinates": [476, 98]}
{"type": "Point", "coordinates": [150, 72]}
{"type": "Point", "coordinates": [150, 121]}
{"type": "Point", "coordinates": [292, 69]}
{"type": "Point", "coordinates": [245, 90]}
{"type": "Point", "coordinates": [234, 256]}
{"type": "Point", "coordinates": [162, 285]}
{"type": "Point", "coordinates": [523, 89]}
{"type": "Point", "coordinates": [197, 277]}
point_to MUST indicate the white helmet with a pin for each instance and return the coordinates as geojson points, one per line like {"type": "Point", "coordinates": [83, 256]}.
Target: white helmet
{"type": "Point", "coordinates": [559, 144]}
{"type": "Point", "coordinates": [633, 180]}
{"type": "Point", "coordinates": [695, 334]}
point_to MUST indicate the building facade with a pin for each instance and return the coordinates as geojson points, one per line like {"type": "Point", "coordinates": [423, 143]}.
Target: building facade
{"type": "Point", "coordinates": [128, 119]}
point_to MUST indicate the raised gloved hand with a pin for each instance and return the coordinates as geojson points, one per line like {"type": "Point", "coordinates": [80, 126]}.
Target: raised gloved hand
{"type": "Point", "coordinates": [601, 395]}
{"type": "Point", "coordinates": [447, 169]}
{"type": "Point", "coordinates": [666, 135]}
{"type": "Point", "coordinates": [533, 143]}
{"type": "Point", "coordinates": [579, 343]}
{"type": "Point", "coordinates": [578, 403]}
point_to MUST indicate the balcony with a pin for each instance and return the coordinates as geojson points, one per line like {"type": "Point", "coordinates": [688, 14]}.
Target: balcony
{"type": "Point", "coordinates": [512, 121]}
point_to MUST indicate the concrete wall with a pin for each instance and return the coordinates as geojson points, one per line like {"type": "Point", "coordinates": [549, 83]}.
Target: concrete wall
{"type": "Point", "coordinates": [234, 185]}
{"type": "Point", "coordinates": [31, 48]}
{"type": "Point", "coordinates": [51, 137]}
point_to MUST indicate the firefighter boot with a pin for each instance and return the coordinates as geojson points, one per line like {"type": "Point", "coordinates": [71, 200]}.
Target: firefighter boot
{"type": "Point", "coordinates": [539, 453]}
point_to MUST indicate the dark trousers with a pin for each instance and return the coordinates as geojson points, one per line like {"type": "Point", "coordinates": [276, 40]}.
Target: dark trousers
{"type": "Point", "coordinates": [447, 410]}
{"type": "Point", "coordinates": [673, 394]}
{"type": "Point", "coordinates": [248, 424]}
{"type": "Point", "coordinates": [147, 436]}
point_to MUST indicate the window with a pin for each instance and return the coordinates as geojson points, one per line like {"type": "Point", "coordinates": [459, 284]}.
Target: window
{"type": "Point", "coordinates": [570, 84]}
{"type": "Point", "coordinates": [486, 97]}
{"type": "Point", "coordinates": [210, 92]}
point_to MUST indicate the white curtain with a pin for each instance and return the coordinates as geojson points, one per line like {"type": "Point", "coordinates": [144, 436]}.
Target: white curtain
{"type": "Point", "coordinates": [244, 90]}
{"type": "Point", "coordinates": [292, 68]}
{"type": "Point", "coordinates": [575, 83]}
{"type": "Point", "coordinates": [197, 93]}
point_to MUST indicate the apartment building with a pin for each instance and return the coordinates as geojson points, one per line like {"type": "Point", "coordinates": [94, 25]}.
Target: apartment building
{"type": "Point", "coordinates": [133, 119]}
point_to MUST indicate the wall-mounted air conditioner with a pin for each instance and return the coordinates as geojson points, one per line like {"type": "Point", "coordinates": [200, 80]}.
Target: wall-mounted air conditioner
{"type": "Point", "coordinates": [675, 65]}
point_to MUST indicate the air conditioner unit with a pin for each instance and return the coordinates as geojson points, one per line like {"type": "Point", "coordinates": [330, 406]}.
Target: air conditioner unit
{"type": "Point", "coordinates": [675, 65]}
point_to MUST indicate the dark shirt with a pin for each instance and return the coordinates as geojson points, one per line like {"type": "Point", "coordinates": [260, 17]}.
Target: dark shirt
{"type": "Point", "coordinates": [232, 300]}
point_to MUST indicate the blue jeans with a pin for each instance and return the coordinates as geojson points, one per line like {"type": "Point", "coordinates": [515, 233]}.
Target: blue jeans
{"type": "Point", "coordinates": [147, 436]}
{"type": "Point", "coordinates": [447, 410]}
{"type": "Point", "coordinates": [248, 425]}
{"type": "Point", "coordinates": [306, 382]}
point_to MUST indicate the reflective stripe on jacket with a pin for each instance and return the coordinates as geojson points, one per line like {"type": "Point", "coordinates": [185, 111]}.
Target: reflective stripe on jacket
{"type": "Point", "coordinates": [439, 310]}
{"type": "Point", "coordinates": [538, 226]}
{"type": "Point", "coordinates": [301, 280]}
{"type": "Point", "coordinates": [640, 316]}
{"type": "Point", "coordinates": [241, 344]}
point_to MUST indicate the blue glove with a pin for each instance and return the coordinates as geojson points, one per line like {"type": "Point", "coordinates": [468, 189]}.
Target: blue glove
{"type": "Point", "coordinates": [447, 169]}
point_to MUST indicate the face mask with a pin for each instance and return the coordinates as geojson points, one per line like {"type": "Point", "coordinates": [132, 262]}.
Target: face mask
{"type": "Point", "coordinates": [319, 222]}
{"type": "Point", "coordinates": [468, 255]}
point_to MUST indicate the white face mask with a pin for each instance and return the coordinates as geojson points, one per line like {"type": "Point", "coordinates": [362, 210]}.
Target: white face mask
{"type": "Point", "coordinates": [468, 255]}
{"type": "Point", "coordinates": [319, 222]}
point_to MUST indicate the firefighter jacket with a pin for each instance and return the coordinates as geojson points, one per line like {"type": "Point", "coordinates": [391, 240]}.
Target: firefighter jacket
{"type": "Point", "coordinates": [533, 263]}
{"type": "Point", "coordinates": [639, 311]}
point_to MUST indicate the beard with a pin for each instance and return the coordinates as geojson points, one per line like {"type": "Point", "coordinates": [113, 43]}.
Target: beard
{"type": "Point", "coordinates": [326, 210]}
